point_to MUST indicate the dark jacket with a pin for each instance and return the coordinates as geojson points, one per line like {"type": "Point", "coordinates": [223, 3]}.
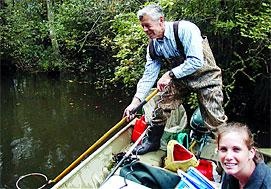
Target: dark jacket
{"type": "Point", "coordinates": [260, 179]}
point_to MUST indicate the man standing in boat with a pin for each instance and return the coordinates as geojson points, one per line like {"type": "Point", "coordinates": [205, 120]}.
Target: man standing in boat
{"type": "Point", "coordinates": [191, 68]}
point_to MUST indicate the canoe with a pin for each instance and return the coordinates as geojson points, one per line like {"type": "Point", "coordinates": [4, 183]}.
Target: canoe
{"type": "Point", "coordinates": [92, 172]}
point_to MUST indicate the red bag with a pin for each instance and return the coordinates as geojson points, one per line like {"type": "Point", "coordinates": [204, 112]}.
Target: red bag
{"type": "Point", "coordinates": [206, 168]}
{"type": "Point", "coordinates": [139, 128]}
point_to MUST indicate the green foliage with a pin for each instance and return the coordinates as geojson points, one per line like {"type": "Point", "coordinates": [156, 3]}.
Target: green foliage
{"type": "Point", "coordinates": [130, 45]}
{"type": "Point", "coordinates": [256, 25]}
{"type": "Point", "coordinates": [106, 39]}
{"type": "Point", "coordinates": [122, 43]}
{"type": "Point", "coordinates": [79, 29]}
{"type": "Point", "coordinates": [193, 101]}
{"type": "Point", "coordinates": [23, 32]}
{"type": "Point", "coordinates": [250, 52]}
{"type": "Point", "coordinates": [238, 32]}
{"type": "Point", "coordinates": [75, 21]}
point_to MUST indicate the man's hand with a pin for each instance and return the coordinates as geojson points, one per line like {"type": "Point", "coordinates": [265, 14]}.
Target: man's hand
{"type": "Point", "coordinates": [163, 81]}
{"type": "Point", "coordinates": [128, 111]}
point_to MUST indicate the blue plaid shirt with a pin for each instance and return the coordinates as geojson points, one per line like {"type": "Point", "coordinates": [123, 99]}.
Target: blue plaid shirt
{"type": "Point", "coordinates": [191, 39]}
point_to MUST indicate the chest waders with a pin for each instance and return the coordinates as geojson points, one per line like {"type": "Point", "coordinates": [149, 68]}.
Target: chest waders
{"type": "Point", "coordinates": [208, 75]}
{"type": "Point", "coordinates": [151, 141]}
{"type": "Point", "coordinates": [159, 117]}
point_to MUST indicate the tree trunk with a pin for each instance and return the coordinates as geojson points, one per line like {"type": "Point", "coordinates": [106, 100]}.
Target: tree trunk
{"type": "Point", "coordinates": [52, 32]}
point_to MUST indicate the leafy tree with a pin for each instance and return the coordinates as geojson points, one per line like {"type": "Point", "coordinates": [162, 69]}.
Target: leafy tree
{"type": "Point", "coordinates": [23, 31]}
{"type": "Point", "coordinates": [238, 32]}
{"type": "Point", "coordinates": [130, 44]}
{"type": "Point", "coordinates": [105, 39]}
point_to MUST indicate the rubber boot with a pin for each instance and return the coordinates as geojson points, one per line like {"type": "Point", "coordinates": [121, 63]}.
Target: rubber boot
{"type": "Point", "coordinates": [151, 142]}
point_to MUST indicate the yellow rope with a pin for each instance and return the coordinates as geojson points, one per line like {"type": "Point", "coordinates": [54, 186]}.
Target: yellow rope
{"type": "Point", "coordinates": [192, 146]}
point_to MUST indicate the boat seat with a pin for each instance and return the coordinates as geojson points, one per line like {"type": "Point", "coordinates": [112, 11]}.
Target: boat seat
{"type": "Point", "coordinates": [116, 182]}
{"type": "Point", "coordinates": [153, 158]}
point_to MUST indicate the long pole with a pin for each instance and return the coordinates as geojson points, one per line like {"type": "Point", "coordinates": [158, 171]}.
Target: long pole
{"type": "Point", "coordinates": [126, 155]}
{"type": "Point", "coordinates": [101, 140]}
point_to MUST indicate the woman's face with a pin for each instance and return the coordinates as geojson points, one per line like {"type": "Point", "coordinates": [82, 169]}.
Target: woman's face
{"type": "Point", "coordinates": [154, 29]}
{"type": "Point", "coordinates": [233, 153]}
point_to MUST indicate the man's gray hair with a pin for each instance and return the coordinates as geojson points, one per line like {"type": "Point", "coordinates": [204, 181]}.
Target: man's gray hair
{"type": "Point", "coordinates": [152, 10]}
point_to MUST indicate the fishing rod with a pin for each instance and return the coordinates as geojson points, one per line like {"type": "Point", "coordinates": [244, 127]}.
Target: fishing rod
{"type": "Point", "coordinates": [127, 154]}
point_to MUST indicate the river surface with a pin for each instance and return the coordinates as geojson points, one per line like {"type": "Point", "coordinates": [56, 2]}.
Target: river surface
{"type": "Point", "coordinates": [46, 123]}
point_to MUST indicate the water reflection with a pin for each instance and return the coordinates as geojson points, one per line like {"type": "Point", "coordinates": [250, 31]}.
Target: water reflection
{"type": "Point", "coordinates": [24, 148]}
{"type": "Point", "coordinates": [47, 123]}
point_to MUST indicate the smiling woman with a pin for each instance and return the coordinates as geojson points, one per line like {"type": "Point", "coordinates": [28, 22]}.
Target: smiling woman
{"type": "Point", "coordinates": [243, 164]}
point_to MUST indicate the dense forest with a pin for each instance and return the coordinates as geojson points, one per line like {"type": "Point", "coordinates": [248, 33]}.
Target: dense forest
{"type": "Point", "coordinates": [104, 40]}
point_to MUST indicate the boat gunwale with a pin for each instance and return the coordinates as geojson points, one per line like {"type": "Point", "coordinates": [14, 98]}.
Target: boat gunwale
{"type": "Point", "coordinates": [91, 156]}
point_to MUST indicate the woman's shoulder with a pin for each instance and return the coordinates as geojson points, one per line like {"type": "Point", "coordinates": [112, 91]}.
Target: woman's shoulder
{"type": "Point", "coordinates": [264, 171]}
{"type": "Point", "coordinates": [262, 166]}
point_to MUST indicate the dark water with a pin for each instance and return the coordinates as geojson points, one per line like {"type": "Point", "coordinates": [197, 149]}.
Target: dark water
{"type": "Point", "coordinates": [47, 123]}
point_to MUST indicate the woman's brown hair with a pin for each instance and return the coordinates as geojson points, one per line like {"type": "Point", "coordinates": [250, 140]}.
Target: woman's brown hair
{"type": "Point", "coordinates": [249, 137]}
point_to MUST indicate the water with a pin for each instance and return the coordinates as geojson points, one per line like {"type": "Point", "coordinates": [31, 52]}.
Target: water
{"type": "Point", "coordinates": [47, 123]}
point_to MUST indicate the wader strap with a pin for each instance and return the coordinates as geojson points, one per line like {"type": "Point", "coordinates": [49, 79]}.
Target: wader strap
{"type": "Point", "coordinates": [177, 39]}
{"type": "Point", "coordinates": [152, 52]}
{"type": "Point", "coordinates": [179, 44]}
